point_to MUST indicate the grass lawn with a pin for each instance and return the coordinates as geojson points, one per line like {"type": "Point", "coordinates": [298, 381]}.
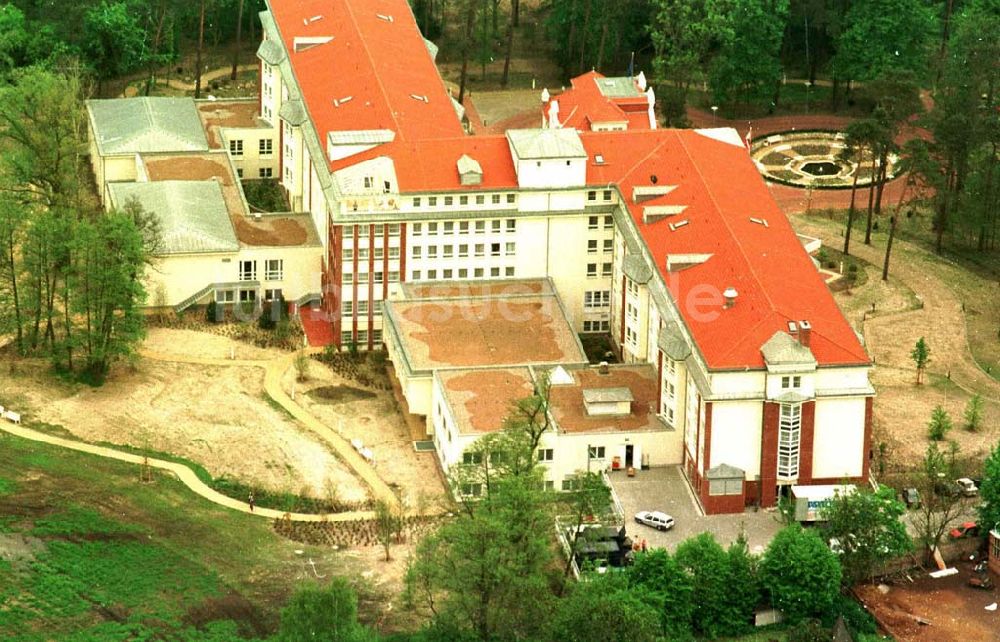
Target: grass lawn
{"type": "Point", "coordinates": [87, 552]}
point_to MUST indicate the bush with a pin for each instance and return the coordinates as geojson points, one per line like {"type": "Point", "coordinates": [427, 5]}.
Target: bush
{"type": "Point", "coordinates": [808, 631]}
{"type": "Point", "coordinates": [939, 424]}
{"type": "Point", "coordinates": [974, 413]}
{"type": "Point", "coordinates": [213, 312]}
{"type": "Point", "coordinates": [715, 613]}
{"type": "Point", "coordinates": [800, 573]}
{"type": "Point", "coordinates": [667, 587]}
{"type": "Point", "coordinates": [856, 617]}
{"type": "Point", "coordinates": [329, 613]}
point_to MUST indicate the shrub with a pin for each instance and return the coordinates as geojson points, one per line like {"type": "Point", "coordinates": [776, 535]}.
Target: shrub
{"type": "Point", "coordinates": [667, 587]}
{"type": "Point", "coordinates": [856, 617]}
{"type": "Point", "coordinates": [213, 312]}
{"type": "Point", "coordinates": [800, 573]}
{"type": "Point", "coordinates": [715, 612]}
{"type": "Point", "coordinates": [301, 364]}
{"type": "Point", "coordinates": [974, 412]}
{"type": "Point", "coordinates": [808, 631]}
{"type": "Point", "coordinates": [939, 424]}
{"type": "Point", "coordinates": [323, 614]}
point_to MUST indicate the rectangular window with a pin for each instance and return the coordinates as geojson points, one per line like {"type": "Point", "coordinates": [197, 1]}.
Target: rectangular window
{"type": "Point", "coordinates": [432, 201]}
{"type": "Point", "coordinates": [463, 251]}
{"type": "Point", "coordinates": [346, 337]}
{"type": "Point", "coordinates": [379, 230]}
{"type": "Point", "coordinates": [480, 227]}
{"type": "Point", "coordinates": [446, 274]}
{"type": "Point", "coordinates": [463, 273]}
{"type": "Point", "coordinates": [495, 226]}
{"type": "Point", "coordinates": [595, 299]}
{"type": "Point", "coordinates": [432, 251]}
{"type": "Point", "coordinates": [508, 271]}
{"type": "Point", "coordinates": [415, 251]}
{"type": "Point", "coordinates": [448, 251]}
{"type": "Point", "coordinates": [265, 146]}
{"type": "Point", "coordinates": [363, 307]}
{"type": "Point", "coordinates": [606, 269]}
{"type": "Point", "coordinates": [432, 274]}
{"type": "Point", "coordinates": [592, 246]}
{"type": "Point", "coordinates": [609, 222]}
{"type": "Point", "coordinates": [239, 172]}
{"type": "Point", "coordinates": [510, 199]}
{"type": "Point", "coordinates": [592, 222]}
{"type": "Point", "coordinates": [471, 459]}
{"type": "Point", "coordinates": [448, 201]}
{"type": "Point", "coordinates": [432, 228]}
{"type": "Point", "coordinates": [416, 201]}
{"type": "Point", "coordinates": [463, 200]}
{"type": "Point", "coordinates": [494, 272]}
{"type": "Point", "coordinates": [248, 296]}
{"type": "Point", "coordinates": [225, 296]}
{"type": "Point", "coordinates": [511, 225]}
{"type": "Point", "coordinates": [480, 249]}
{"type": "Point", "coordinates": [265, 172]}
{"type": "Point", "coordinates": [510, 249]}
{"type": "Point", "coordinates": [592, 195]}
{"type": "Point", "coordinates": [609, 245]}
{"type": "Point", "coordinates": [463, 227]}
{"type": "Point", "coordinates": [416, 275]}
{"type": "Point", "coordinates": [393, 252]}
{"type": "Point", "coordinates": [274, 269]}
{"type": "Point", "coordinates": [478, 273]}
{"type": "Point", "coordinates": [236, 147]}
{"type": "Point", "coordinates": [597, 452]}
{"type": "Point", "coordinates": [347, 277]}
{"type": "Point", "coordinates": [471, 489]}
{"type": "Point", "coordinates": [363, 337]}
{"type": "Point", "coordinates": [379, 253]}
{"type": "Point", "coordinates": [248, 270]}
{"type": "Point", "coordinates": [789, 425]}
{"type": "Point", "coordinates": [377, 336]}
{"type": "Point", "coordinates": [394, 229]}
{"type": "Point", "coordinates": [363, 253]}
{"type": "Point", "coordinates": [480, 199]}
{"type": "Point", "coordinates": [393, 277]}
{"type": "Point", "coordinates": [606, 195]}
{"type": "Point", "coordinates": [449, 227]}
{"type": "Point", "coordinates": [348, 254]}
{"type": "Point", "coordinates": [794, 382]}
{"type": "Point", "coordinates": [417, 228]}
{"type": "Point", "coordinates": [347, 309]}
{"type": "Point", "coordinates": [545, 454]}
{"type": "Point", "coordinates": [591, 270]}
{"type": "Point", "coordinates": [378, 277]}
{"type": "Point", "coordinates": [363, 231]}
{"type": "Point", "coordinates": [494, 249]}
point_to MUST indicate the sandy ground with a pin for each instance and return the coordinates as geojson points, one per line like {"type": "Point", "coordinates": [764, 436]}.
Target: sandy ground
{"type": "Point", "coordinates": [375, 419]}
{"type": "Point", "coordinates": [218, 417]}
{"type": "Point", "coordinates": [191, 343]}
{"type": "Point", "coordinates": [955, 611]}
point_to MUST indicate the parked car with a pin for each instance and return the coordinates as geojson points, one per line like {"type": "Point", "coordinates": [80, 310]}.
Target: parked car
{"type": "Point", "coordinates": [966, 529]}
{"type": "Point", "coordinates": [911, 497]}
{"type": "Point", "coordinates": [967, 487]}
{"type": "Point", "coordinates": [656, 519]}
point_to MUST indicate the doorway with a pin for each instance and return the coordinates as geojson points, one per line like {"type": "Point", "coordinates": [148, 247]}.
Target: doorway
{"type": "Point", "coordinates": [629, 454]}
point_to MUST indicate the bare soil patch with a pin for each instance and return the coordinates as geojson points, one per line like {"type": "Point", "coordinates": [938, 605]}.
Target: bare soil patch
{"type": "Point", "coordinates": [339, 394]}
{"type": "Point", "coordinates": [379, 424]}
{"type": "Point", "coordinates": [955, 611]}
{"type": "Point", "coordinates": [218, 417]}
{"type": "Point", "coordinates": [203, 345]}
{"type": "Point", "coordinates": [271, 231]}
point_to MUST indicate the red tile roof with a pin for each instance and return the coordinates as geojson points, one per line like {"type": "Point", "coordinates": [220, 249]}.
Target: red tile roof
{"type": "Point", "coordinates": [584, 104]}
{"type": "Point", "coordinates": [380, 63]}
{"type": "Point", "coordinates": [377, 58]}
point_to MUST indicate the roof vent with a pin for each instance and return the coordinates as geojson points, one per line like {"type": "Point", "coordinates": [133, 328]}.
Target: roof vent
{"type": "Point", "coordinates": [678, 225]}
{"type": "Point", "coordinates": [759, 221]}
{"type": "Point", "coordinates": [793, 328]}
{"type": "Point", "coordinates": [598, 159]}
{"type": "Point", "coordinates": [309, 21]}
{"type": "Point", "coordinates": [420, 97]}
{"type": "Point", "coordinates": [729, 294]}
{"type": "Point", "coordinates": [654, 179]}
{"type": "Point", "coordinates": [603, 368]}
{"type": "Point", "coordinates": [305, 43]}
{"type": "Point", "coordinates": [381, 16]}
{"type": "Point", "coordinates": [337, 102]}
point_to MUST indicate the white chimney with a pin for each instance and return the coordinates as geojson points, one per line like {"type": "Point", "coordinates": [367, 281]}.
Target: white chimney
{"type": "Point", "coordinates": [641, 81]}
{"type": "Point", "coordinates": [651, 99]}
{"type": "Point", "coordinates": [729, 294]}
{"type": "Point", "coordinates": [545, 95]}
{"type": "Point", "coordinates": [554, 115]}
{"type": "Point", "coordinates": [602, 368]}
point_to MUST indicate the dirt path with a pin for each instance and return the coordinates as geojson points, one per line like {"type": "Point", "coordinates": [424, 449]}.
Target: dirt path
{"type": "Point", "coordinates": [185, 475]}
{"type": "Point", "coordinates": [941, 320]}
{"type": "Point", "coordinates": [274, 370]}
{"type": "Point", "coordinates": [209, 76]}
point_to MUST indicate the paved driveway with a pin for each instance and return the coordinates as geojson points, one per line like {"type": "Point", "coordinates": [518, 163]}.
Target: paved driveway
{"type": "Point", "coordinates": [665, 489]}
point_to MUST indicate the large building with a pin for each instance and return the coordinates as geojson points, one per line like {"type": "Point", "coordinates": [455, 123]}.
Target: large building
{"type": "Point", "coordinates": [668, 240]}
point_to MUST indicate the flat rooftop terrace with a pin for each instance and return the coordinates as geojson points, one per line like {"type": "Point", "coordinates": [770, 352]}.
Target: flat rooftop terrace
{"type": "Point", "coordinates": [218, 114]}
{"type": "Point", "coordinates": [570, 411]}
{"type": "Point", "coordinates": [508, 326]}
{"type": "Point", "coordinates": [480, 398]}
{"type": "Point", "coordinates": [272, 230]}
{"type": "Point", "coordinates": [453, 289]}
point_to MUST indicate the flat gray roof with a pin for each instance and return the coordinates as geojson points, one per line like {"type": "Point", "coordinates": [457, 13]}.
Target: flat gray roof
{"type": "Point", "coordinates": [193, 215]}
{"type": "Point", "coordinates": [146, 125]}
{"type": "Point", "coordinates": [546, 143]}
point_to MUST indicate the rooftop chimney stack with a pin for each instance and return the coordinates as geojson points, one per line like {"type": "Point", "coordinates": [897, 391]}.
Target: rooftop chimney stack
{"type": "Point", "coordinates": [805, 330]}
{"type": "Point", "coordinates": [603, 368]}
{"type": "Point", "coordinates": [729, 294]}
{"type": "Point", "coordinates": [793, 329]}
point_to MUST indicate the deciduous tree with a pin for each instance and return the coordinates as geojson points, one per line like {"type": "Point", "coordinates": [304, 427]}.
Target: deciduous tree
{"type": "Point", "coordinates": [800, 573]}
{"type": "Point", "coordinates": [868, 529]}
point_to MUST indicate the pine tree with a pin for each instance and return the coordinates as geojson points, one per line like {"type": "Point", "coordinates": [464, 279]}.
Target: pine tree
{"type": "Point", "coordinates": [921, 355]}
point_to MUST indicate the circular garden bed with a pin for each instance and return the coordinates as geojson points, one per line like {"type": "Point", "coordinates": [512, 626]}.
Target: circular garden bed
{"type": "Point", "coordinates": [813, 159]}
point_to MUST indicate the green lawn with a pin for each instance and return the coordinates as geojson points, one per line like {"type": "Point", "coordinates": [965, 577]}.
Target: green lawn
{"type": "Point", "coordinates": [93, 554]}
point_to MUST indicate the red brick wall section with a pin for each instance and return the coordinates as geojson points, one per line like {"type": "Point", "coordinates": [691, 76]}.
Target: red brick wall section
{"type": "Point", "coordinates": [402, 252]}
{"type": "Point", "coordinates": [354, 288]}
{"type": "Point", "coordinates": [659, 380]}
{"type": "Point", "coordinates": [334, 292]}
{"type": "Point", "coordinates": [385, 262]}
{"type": "Point", "coordinates": [867, 453]}
{"type": "Point", "coordinates": [722, 504]}
{"type": "Point", "coordinates": [769, 454]}
{"type": "Point", "coordinates": [371, 283]}
{"type": "Point", "coordinates": [994, 559]}
{"type": "Point", "coordinates": [806, 441]}
{"type": "Point", "coordinates": [706, 461]}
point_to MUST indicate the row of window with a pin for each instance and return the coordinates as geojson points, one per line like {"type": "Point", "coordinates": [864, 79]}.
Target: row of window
{"type": "Point", "coordinates": [246, 296]}
{"type": "Point", "coordinates": [377, 277]}
{"type": "Point", "coordinates": [594, 222]}
{"type": "Point", "coordinates": [448, 251]}
{"type": "Point", "coordinates": [462, 273]}
{"type": "Point", "coordinates": [606, 269]}
{"type": "Point", "coordinates": [605, 195]}
{"type": "Point", "coordinates": [606, 246]}
{"type": "Point", "coordinates": [346, 337]}
{"type": "Point", "coordinates": [265, 147]}
{"type": "Point", "coordinates": [274, 270]}
{"type": "Point", "coordinates": [596, 299]}
{"type": "Point", "coordinates": [363, 253]}
{"type": "Point", "coordinates": [450, 201]}
{"type": "Point", "coordinates": [348, 308]}
{"type": "Point", "coordinates": [597, 326]}
{"type": "Point", "coordinates": [463, 227]}
{"type": "Point", "coordinates": [262, 172]}
{"type": "Point", "coordinates": [363, 230]}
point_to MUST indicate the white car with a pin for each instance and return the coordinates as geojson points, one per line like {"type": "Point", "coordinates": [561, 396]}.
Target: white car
{"type": "Point", "coordinates": [656, 519]}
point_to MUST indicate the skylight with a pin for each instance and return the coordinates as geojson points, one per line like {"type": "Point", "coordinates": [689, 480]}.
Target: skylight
{"type": "Point", "coordinates": [337, 102]}
{"type": "Point", "coordinates": [384, 17]}
{"type": "Point", "coordinates": [304, 43]}
{"type": "Point", "coordinates": [421, 98]}
{"type": "Point", "coordinates": [678, 225]}
{"type": "Point", "coordinates": [759, 221]}
{"type": "Point", "coordinates": [599, 159]}
{"type": "Point", "coordinates": [309, 21]}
